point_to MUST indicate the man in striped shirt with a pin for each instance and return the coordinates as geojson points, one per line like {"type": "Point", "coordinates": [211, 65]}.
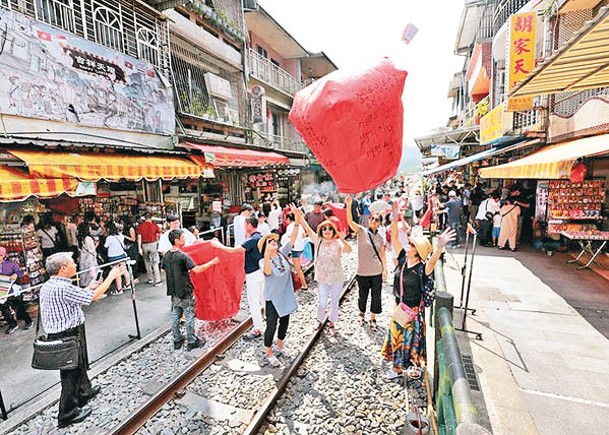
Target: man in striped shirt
{"type": "Point", "coordinates": [62, 316]}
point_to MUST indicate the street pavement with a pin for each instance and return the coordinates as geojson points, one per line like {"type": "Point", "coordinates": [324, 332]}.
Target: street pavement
{"type": "Point", "coordinates": [109, 322]}
{"type": "Point", "coordinates": [543, 364]}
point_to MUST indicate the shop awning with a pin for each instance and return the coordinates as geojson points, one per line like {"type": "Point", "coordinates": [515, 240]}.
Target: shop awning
{"type": "Point", "coordinates": [111, 167]}
{"type": "Point", "coordinates": [225, 157]}
{"type": "Point", "coordinates": [551, 162]}
{"type": "Point", "coordinates": [481, 155]}
{"type": "Point", "coordinates": [582, 63]}
{"type": "Point", "coordinates": [16, 184]}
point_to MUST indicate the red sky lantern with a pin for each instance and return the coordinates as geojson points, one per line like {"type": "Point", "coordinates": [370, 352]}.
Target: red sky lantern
{"type": "Point", "coordinates": [353, 124]}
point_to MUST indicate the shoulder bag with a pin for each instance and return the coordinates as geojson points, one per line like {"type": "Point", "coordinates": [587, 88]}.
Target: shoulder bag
{"type": "Point", "coordinates": [296, 282]}
{"type": "Point", "coordinates": [402, 314]}
{"type": "Point", "coordinates": [374, 246]}
{"type": "Point", "coordinates": [55, 354]}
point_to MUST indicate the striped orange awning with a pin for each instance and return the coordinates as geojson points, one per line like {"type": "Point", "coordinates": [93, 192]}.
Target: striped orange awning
{"type": "Point", "coordinates": [111, 167]}
{"type": "Point", "coordinates": [16, 184]}
{"type": "Point", "coordinates": [552, 162]}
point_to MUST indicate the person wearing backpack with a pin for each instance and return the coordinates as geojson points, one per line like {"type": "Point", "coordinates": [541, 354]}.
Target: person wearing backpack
{"type": "Point", "coordinates": [115, 244]}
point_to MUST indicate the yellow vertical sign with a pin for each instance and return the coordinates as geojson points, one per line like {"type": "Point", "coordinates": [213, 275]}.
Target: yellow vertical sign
{"type": "Point", "coordinates": [521, 54]}
{"type": "Point", "coordinates": [491, 125]}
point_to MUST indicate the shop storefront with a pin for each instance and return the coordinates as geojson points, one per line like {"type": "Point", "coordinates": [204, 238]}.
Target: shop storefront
{"type": "Point", "coordinates": [571, 194]}
{"type": "Point", "coordinates": [68, 184]}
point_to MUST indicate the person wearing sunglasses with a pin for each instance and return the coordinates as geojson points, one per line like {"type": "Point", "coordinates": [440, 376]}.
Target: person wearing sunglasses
{"type": "Point", "coordinates": [413, 285]}
{"type": "Point", "coordinates": [279, 297]}
{"type": "Point", "coordinates": [371, 263]}
{"type": "Point", "coordinates": [329, 246]}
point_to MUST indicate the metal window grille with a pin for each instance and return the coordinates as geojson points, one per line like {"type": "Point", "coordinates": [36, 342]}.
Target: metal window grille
{"type": "Point", "coordinates": [148, 46]}
{"type": "Point", "coordinates": [108, 28]}
{"type": "Point", "coordinates": [78, 17]}
{"type": "Point", "coordinates": [58, 13]}
{"type": "Point", "coordinates": [503, 10]}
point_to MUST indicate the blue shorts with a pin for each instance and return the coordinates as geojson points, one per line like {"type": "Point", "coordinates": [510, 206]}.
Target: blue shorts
{"type": "Point", "coordinates": [296, 254]}
{"type": "Point", "coordinates": [495, 233]}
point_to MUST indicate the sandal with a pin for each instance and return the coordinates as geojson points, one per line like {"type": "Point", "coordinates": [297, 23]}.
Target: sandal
{"type": "Point", "coordinates": [362, 318]}
{"type": "Point", "coordinates": [282, 352]}
{"type": "Point", "coordinates": [273, 361]}
{"type": "Point", "coordinates": [373, 324]}
{"type": "Point", "coordinates": [414, 372]}
{"type": "Point", "coordinates": [392, 374]}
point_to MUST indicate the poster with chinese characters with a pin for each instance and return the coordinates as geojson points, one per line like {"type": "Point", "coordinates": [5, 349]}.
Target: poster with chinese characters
{"type": "Point", "coordinates": [50, 74]}
{"type": "Point", "coordinates": [521, 55]}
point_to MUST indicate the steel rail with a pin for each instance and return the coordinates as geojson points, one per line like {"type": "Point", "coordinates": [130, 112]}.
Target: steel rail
{"type": "Point", "coordinates": [261, 415]}
{"type": "Point", "coordinates": [137, 418]}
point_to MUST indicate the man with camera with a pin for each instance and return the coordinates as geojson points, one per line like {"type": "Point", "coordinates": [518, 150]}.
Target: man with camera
{"type": "Point", "coordinates": [62, 316]}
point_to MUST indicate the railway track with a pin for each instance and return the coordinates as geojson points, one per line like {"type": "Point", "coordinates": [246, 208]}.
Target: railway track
{"type": "Point", "coordinates": [177, 389]}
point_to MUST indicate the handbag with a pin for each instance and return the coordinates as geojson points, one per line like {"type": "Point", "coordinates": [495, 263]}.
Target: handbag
{"type": "Point", "coordinates": [402, 314]}
{"type": "Point", "coordinates": [55, 354]}
{"type": "Point", "coordinates": [296, 281]}
{"type": "Point", "coordinates": [58, 354]}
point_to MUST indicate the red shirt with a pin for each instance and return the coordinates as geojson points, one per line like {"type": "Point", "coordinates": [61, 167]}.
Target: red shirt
{"type": "Point", "coordinates": [149, 231]}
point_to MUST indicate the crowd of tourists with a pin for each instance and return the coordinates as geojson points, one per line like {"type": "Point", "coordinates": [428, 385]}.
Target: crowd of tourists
{"type": "Point", "coordinates": [273, 240]}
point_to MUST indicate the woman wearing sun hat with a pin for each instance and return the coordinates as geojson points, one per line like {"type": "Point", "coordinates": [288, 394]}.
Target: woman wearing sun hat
{"type": "Point", "coordinates": [329, 246]}
{"type": "Point", "coordinates": [279, 297]}
{"type": "Point", "coordinates": [413, 286]}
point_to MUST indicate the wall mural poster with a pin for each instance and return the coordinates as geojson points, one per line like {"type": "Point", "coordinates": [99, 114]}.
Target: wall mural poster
{"type": "Point", "coordinates": [50, 74]}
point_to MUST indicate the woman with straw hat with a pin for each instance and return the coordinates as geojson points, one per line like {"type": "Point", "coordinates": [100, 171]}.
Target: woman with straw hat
{"type": "Point", "coordinates": [412, 286]}
{"type": "Point", "coordinates": [329, 245]}
{"type": "Point", "coordinates": [279, 297]}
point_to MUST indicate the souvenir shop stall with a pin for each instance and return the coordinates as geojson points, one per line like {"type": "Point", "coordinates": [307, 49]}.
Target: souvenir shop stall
{"type": "Point", "coordinates": [282, 184]}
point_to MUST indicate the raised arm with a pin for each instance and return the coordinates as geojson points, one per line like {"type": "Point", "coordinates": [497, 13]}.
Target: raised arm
{"type": "Point", "coordinates": [354, 227]}
{"type": "Point", "coordinates": [447, 236]}
{"type": "Point", "coordinates": [346, 246]}
{"type": "Point", "coordinates": [305, 225]}
{"type": "Point", "coordinates": [395, 241]}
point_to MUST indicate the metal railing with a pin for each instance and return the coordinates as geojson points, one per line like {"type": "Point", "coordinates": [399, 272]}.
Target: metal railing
{"type": "Point", "coordinates": [503, 10]}
{"type": "Point", "coordinates": [453, 401]}
{"type": "Point", "coordinates": [290, 142]}
{"type": "Point", "coordinates": [485, 26]}
{"type": "Point", "coordinates": [263, 69]}
{"type": "Point", "coordinates": [531, 119]}
{"type": "Point", "coordinates": [116, 24]}
{"type": "Point", "coordinates": [567, 104]}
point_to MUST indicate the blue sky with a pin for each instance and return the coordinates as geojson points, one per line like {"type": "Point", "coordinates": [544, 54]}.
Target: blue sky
{"type": "Point", "coordinates": [357, 32]}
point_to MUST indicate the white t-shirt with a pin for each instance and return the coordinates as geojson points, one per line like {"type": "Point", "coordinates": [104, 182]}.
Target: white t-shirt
{"type": "Point", "coordinates": [48, 238]}
{"type": "Point", "coordinates": [115, 244]}
{"type": "Point", "coordinates": [299, 242]}
{"type": "Point", "coordinates": [497, 220]}
{"type": "Point", "coordinates": [165, 245]}
{"type": "Point", "coordinates": [417, 202]}
{"type": "Point", "coordinates": [273, 218]}
{"type": "Point", "coordinates": [264, 229]}
{"type": "Point", "coordinates": [239, 229]}
{"type": "Point", "coordinates": [466, 197]}
{"type": "Point", "coordinates": [379, 206]}
{"type": "Point", "coordinates": [488, 204]}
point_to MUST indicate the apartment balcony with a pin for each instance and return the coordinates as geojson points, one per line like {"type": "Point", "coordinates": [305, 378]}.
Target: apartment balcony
{"type": "Point", "coordinates": [266, 71]}
{"type": "Point", "coordinates": [290, 141]}
{"type": "Point", "coordinates": [503, 10]}
{"type": "Point", "coordinates": [577, 114]}
{"type": "Point", "coordinates": [530, 121]}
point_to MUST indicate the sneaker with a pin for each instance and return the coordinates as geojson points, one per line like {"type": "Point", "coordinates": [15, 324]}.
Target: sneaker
{"type": "Point", "coordinates": [11, 329]}
{"type": "Point", "coordinates": [29, 325]}
{"type": "Point", "coordinates": [195, 345]}
{"type": "Point", "coordinates": [151, 282]}
{"type": "Point", "coordinates": [273, 361]}
{"type": "Point", "coordinates": [252, 335]}
{"type": "Point", "coordinates": [156, 284]}
{"type": "Point", "coordinates": [280, 351]}
{"type": "Point", "coordinates": [178, 344]}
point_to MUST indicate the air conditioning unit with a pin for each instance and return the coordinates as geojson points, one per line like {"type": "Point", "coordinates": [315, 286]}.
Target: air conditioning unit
{"type": "Point", "coordinates": [250, 5]}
